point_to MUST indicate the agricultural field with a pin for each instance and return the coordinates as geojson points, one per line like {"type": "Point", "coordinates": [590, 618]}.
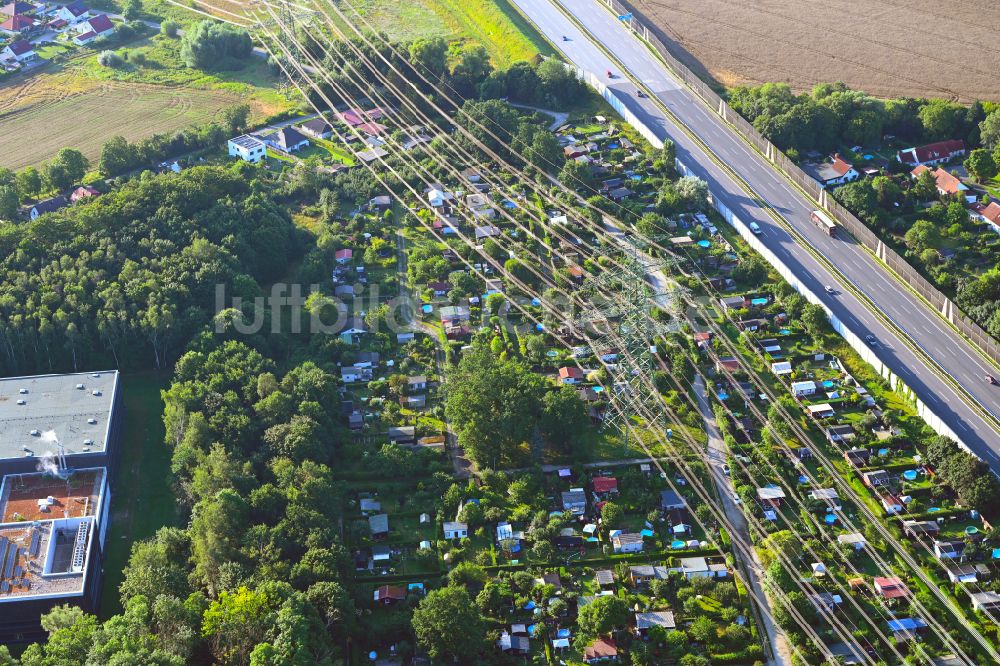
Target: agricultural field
{"type": "Point", "coordinates": [68, 105]}
{"type": "Point", "coordinates": [887, 48]}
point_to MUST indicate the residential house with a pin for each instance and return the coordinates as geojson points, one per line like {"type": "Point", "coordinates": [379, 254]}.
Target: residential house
{"type": "Point", "coordinates": [986, 602]}
{"type": "Point", "coordinates": [604, 578]}
{"type": "Point", "coordinates": [600, 650]}
{"type": "Point", "coordinates": [17, 7]}
{"type": "Point", "coordinates": [876, 478]}
{"type": "Point", "coordinates": [318, 128]}
{"type": "Point", "coordinates": [604, 485]}
{"type": "Point", "coordinates": [802, 389]}
{"type": "Point", "coordinates": [825, 602]}
{"type": "Point", "coordinates": [389, 594]}
{"type": "Point", "coordinates": [932, 153]}
{"type": "Point", "coordinates": [47, 206]}
{"type": "Point", "coordinates": [855, 540]}
{"type": "Point", "coordinates": [670, 500]}
{"type": "Point", "coordinates": [828, 495]}
{"type": "Point", "coordinates": [641, 574]}
{"type": "Point", "coordinates": [890, 588]}
{"type": "Point", "coordinates": [73, 12]}
{"type": "Point", "coordinates": [695, 567]}
{"type": "Point", "coordinates": [728, 364]}
{"type": "Point", "coordinates": [519, 645]}
{"type": "Point", "coordinates": [416, 383]}
{"type": "Point", "coordinates": [93, 29]}
{"type": "Point", "coordinates": [785, 368]}
{"type": "Point", "coordinates": [288, 139]}
{"type": "Point", "coordinates": [381, 553]}
{"type": "Point", "coordinates": [989, 213]}
{"type": "Point", "coordinates": [352, 373]}
{"type": "Point", "coordinates": [627, 542]}
{"type": "Point", "coordinates": [379, 525]}
{"type": "Point", "coordinates": [565, 542]}
{"type": "Point", "coordinates": [966, 573]}
{"type": "Point", "coordinates": [574, 500]}
{"type": "Point", "coordinates": [835, 171]}
{"type": "Point", "coordinates": [486, 231]}
{"type": "Point", "coordinates": [369, 505]}
{"type": "Point", "coordinates": [646, 621]}
{"type": "Point", "coordinates": [21, 51]}
{"type": "Point", "coordinates": [17, 24]}
{"type": "Point", "coordinates": [906, 629]}
{"type": "Point", "coordinates": [403, 435]}
{"type": "Point", "coordinates": [83, 192]}
{"type": "Point", "coordinates": [437, 196]}
{"type": "Point", "coordinates": [619, 194]}
{"type": "Point", "coordinates": [343, 256]}
{"type": "Point", "coordinates": [844, 433]}
{"type": "Point", "coordinates": [858, 457]}
{"type": "Point", "coordinates": [380, 203]}
{"type": "Point", "coordinates": [947, 184]}
{"type": "Point", "coordinates": [920, 528]}
{"type": "Point", "coordinates": [892, 504]}
{"type": "Point", "coordinates": [413, 401]}
{"type": "Point", "coordinates": [439, 288]}
{"type": "Point", "coordinates": [949, 550]}
{"type": "Point", "coordinates": [549, 578]}
{"type": "Point", "coordinates": [770, 496]}
{"type": "Point", "coordinates": [456, 530]}
{"type": "Point", "coordinates": [570, 375]}
{"type": "Point", "coordinates": [248, 148]}
{"type": "Point", "coordinates": [730, 303]}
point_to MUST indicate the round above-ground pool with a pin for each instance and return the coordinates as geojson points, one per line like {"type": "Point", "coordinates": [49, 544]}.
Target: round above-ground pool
{"type": "Point", "coordinates": [427, 307]}
{"type": "Point", "coordinates": [910, 475]}
{"type": "Point", "coordinates": [882, 452]}
{"type": "Point", "coordinates": [552, 353]}
{"type": "Point", "coordinates": [829, 519]}
{"type": "Point", "coordinates": [971, 529]}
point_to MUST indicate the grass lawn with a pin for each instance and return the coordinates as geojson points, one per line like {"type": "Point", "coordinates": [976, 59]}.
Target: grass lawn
{"type": "Point", "coordinates": [142, 500]}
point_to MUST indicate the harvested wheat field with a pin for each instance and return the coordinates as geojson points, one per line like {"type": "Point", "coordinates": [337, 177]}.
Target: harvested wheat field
{"type": "Point", "coordinates": [42, 115]}
{"type": "Point", "coordinates": [917, 48]}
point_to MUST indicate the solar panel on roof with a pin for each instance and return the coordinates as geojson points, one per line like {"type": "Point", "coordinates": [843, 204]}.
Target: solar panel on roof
{"type": "Point", "coordinates": [4, 587]}
{"type": "Point", "coordinates": [8, 570]}
{"type": "Point", "coordinates": [36, 542]}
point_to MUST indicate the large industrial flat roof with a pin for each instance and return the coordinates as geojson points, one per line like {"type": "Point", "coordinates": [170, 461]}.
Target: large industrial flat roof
{"type": "Point", "coordinates": [38, 413]}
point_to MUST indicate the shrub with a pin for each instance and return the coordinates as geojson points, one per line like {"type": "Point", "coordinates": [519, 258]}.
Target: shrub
{"type": "Point", "coordinates": [110, 59]}
{"type": "Point", "coordinates": [169, 29]}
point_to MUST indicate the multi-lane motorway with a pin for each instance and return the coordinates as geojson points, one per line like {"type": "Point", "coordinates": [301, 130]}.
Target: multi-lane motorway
{"type": "Point", "coordinates": [922, 325]}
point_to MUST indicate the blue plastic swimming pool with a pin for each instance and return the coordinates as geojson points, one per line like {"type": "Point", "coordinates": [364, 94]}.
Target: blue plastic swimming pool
{"type": "Point", "coordinates": [704, 243]}
{"type": "Point", "coordinates": [910, 475]}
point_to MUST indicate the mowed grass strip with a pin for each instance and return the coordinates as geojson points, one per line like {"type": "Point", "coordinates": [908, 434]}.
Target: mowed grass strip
{"type": "Point", "coordinates": [142, 500]}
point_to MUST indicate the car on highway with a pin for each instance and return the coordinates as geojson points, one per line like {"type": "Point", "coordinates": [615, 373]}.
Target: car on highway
{"type": "Point", "coordinates": [639, 93]}
{"type": "Point", "coordinates": [610, 74]}
{"type": "Point", "coordinates": [830, 290]}
{"type": "Point", "coordinates": [754, 227]}
{"type": "Point", "coordinates": [565, 38]}
{"type": "Point", "coordinates": [870, 339]}
{"type": "Point", "coordinates": [725, 470]}
{"type": "Point", "coordinates": [991, 379]}
{"type": "Point", "coordinates": [736, 498]}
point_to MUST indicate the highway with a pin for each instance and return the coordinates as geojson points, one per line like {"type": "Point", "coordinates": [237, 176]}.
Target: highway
{"type": "Point", "coordinates": [923, 326]}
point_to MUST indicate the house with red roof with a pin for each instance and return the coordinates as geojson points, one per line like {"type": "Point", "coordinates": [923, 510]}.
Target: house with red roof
{"type": "Point", "coordinates": [605, 485]}
{"type": "Point", "coordinates": [601, 650]}
{"type": "Point", "coordinates": [933, 153]}
{"type": "Point", "coordinates": [948, 185]}
{"type": "Point", "coordinates": [17, 7]}
{"type": "Point", "coordinates": [73, 12]}
{"type": "Point", "coordinates": [389, 594]}
{"type": "Point", "coordinates": [990, 214]}
{"type": "Point", "coordinates": [890, 588]}
{"type": "Point", "coordinates": [83, 192]}
{"type": "Point", "coordinates": [570, 375]}
{"type": "Point", "coordinates": [21, 50]}
{"type": "Point", "coordinates": [344, 256]}
{"type": "Point", "coordinates": [17, 24]}
{"type": "Point", "coordinates": [836, 171]}
{"type": "Point", "coordinates": [94, 29]}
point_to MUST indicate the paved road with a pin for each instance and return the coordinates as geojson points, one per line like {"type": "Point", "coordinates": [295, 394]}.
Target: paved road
{"type": "Point", "coordinates": [754, 570]}
{"type": "Point", "coordinates": [910, 314]}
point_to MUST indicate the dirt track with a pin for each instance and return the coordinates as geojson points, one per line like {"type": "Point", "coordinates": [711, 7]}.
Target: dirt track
{"type": "Point", "coordinates": [888, 48]}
